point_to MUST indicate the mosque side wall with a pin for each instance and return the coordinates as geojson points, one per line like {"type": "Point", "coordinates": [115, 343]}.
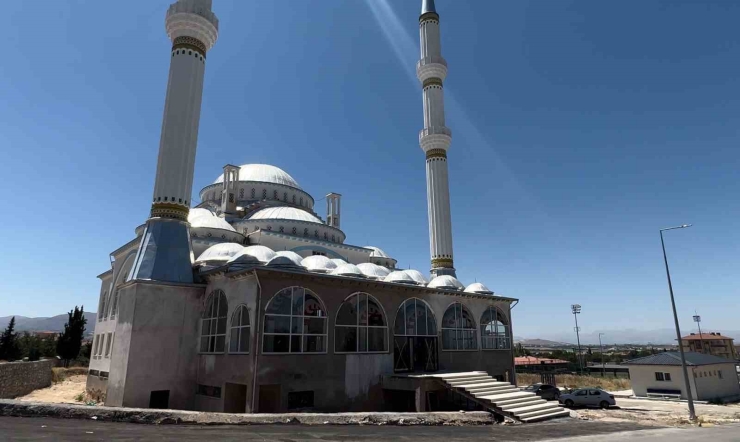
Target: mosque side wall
{"type": "Point", "coordinates": [340, 382]}
{"type": "Point", "coordinates": [155, 344]}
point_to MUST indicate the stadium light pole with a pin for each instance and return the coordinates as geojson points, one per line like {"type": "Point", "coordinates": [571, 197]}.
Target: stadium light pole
{"type": "Point", "coordinates": [603, 368]}
{"type": "Point", "coordinates": [692, 413]}
{"type": "Point", "coordinates": [697, 319]}
{"type": "Point", "coordinates": [576, 309]}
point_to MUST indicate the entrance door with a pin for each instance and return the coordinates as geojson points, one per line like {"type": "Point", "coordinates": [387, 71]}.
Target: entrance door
{"type": "Point", "coordinates": [235, 398]}
{"type": "Point", "coordinates": [415, 354]}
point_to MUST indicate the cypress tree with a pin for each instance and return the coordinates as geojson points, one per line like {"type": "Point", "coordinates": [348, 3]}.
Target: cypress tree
{"type": "Point", "coordinates": [70, 341]}
{"type": "Point", "coordinates": [9, 348]}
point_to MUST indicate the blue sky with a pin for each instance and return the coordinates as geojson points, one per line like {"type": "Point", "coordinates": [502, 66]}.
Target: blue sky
{"type": "Point", "coordinates": [579, 129]}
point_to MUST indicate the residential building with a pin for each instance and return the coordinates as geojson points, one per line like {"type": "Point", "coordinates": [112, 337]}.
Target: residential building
{"type": "Point", "coordinates": [710, 343]}
{"type": "Point", "coordinates": [710, 377]}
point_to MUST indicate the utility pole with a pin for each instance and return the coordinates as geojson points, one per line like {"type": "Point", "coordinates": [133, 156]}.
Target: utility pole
{"type": "Point", "coordinates": [692, 413]}
{"type": "Point", "coordinates": [576, 309]}
{"type": "Point", "coordinates": [697, 319]}
{"type": "Point", "coordinates": [603, 368]}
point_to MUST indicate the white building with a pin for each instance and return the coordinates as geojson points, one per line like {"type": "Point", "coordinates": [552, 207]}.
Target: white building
{"type": "Point", "coordinates": [710, 377]}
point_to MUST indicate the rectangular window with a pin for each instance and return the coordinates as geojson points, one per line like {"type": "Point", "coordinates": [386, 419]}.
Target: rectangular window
{"type": "Point", "coordinates": [108, 342]}
{"type": "Point", "coordinates": [719, 373]}
{"type": "Point", "coordinates": [314, 252]}
{"type": "Point", "coordinates": [667, 376]}
{"type": "Point", "coordinates": [300, 399]}
{"type": "Point", "coordinates": [208, 390]}
{"type": "Point", "coordinates": [659, 376]}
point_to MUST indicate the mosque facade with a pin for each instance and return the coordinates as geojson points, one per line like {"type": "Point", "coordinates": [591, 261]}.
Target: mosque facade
{"type": "Point", "coordinates": [250, 301]}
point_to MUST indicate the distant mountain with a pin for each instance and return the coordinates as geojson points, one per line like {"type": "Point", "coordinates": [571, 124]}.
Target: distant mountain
{"type": "Point", "coordinates": [55, 323]}
{"type": "Point", "coordinates": [664, 336]}
{"type": "Point", "coordinates": [540, 343]}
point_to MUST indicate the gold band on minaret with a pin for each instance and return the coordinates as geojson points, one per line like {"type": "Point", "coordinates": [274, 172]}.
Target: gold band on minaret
{"type": "Point", "coordinates": [169, 210]}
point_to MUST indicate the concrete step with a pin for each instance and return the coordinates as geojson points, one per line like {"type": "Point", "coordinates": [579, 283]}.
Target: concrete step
{"type": "Point", "coordinates": [523, 403]}
{"type": "Point", "coordinates": [490, 384]}
{"type": "Point", "coordinates": [533, 407]}
{"type": "Point", "coordinates": [540, 412]}
{"type": "Point", "coordinates": [543, 417]}
{"type": "Point", "coordinates": [487, 391]}
{"type": "Point", "coordinates": [515, 400]}
{"type": "Point", "coordinates": [471, 380]}
{"type": "Point", "coordinates": [478, 383]}
{"type": "Point", "coordinates": [506, 396]}
{"type": "Point", "coordinates": [495, 392]}
{"type": "Point", "coordinates": [449, 376]}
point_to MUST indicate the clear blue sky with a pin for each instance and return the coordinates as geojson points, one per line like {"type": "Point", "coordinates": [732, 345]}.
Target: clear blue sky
{"type": "Point", "coordinates": [579, 129]}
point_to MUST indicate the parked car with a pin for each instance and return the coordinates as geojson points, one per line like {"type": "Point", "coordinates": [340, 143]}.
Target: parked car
{"type": "Point", "coordinates": [544, 391]}
{"type": "Point", "coordinates": [587, 397]}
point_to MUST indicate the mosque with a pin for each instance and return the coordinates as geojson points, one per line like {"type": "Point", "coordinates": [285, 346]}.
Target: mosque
{"type": "Point", "coordinates": [250, 301]}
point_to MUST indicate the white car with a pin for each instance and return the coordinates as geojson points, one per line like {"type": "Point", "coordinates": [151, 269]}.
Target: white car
{"type": "Point", "coordinates": [587, 397]}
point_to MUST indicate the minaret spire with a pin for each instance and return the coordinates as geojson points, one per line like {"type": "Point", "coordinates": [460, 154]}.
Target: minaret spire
{"type": "Point", "coordinates": [165, 253]}
{"type": "Point", "coordinates": [434, 140]}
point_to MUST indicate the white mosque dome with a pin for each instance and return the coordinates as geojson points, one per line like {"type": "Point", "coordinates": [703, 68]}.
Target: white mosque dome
{"type": "Point", "coordinates": [210, 222]}
{"type": "Point", "coordinates": [285, 213]}
{"type": "Point", "coordinates": [417, 276]}
{"type": "Point", "coordinates": [253, 254]}
{"type": "Point", "coordinates": [197, 212]}
{"type": "Point", "coordinates": [318, 263]}
{"type": "Point", "coordinates": [399, 276]}
{"type": "Point", "coordinates": [377, 252]}
{"type": "Point", "coordinates": [479, 288]}
{"type": "Point", "coordinates": [264, 173]}
{"type": "Point", "coordinates": [347, 270]}
{"type": "Point", "coordinates": [292, 255]}
{"type": "Point", "coordinates": [220, 252]}
{"type": "Point", "coordinates": [337, 261]}
{"type": "Point", "coordinates": [373, 271]}
{"type": "Point", "coordinates": [285, 261]}
{"type": "Point", "coordinates": [446, 282]}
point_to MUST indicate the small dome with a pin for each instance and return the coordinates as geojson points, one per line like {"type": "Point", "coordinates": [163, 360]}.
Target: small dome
{"type": "Point", "coordinates": [211, 222]}
{"type": "Point", "coordinates": [337, 262]}
{"type": "Point", "coordinates": [253, 254]}
{"type": "Point", "coordinates": [197, 212]}
{"type": "Point", "coordinates": [373, 271]}
{"type": "Point", "coordinates": [479, 288]}
{"type": "Point", "coordinates": [318, 263]}
{"type": "Point", "coordinates": [417, 276]}
{"type": "Point", "coordinates": [446, 282]}
{"type": "Point", "coordinates": [347, 270]}
{"type": "Point", "coordinates": [377, 252]}
{"type": "Point", "coordinates": [281, 212]}
{"type": "Point", "coordinates": [264, 173]}
{"type": "Point", "coordinates": [285, 261]}
{"type": "Point", "coordinates": [219, 253]}
{"type": "Point", "coordinates": [399, 276]}
{"type": "Point", "coordinates": [292, 255]}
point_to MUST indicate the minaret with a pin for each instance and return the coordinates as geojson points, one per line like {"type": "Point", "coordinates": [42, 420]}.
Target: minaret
{"type": "Point", "coordinates": [165, 253]}
{"type": "Point", "coordinates": [434, 140]}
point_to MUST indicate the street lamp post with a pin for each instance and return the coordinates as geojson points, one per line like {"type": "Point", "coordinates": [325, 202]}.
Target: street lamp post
{"type": "Point", "coordinates": [576, 309]}
{"type": "Point", "coordinates": [692, 413]}
{"type": "Point", "coordinates": [697, 319]}
{"type": "Point", "coordinates": [601, 348]}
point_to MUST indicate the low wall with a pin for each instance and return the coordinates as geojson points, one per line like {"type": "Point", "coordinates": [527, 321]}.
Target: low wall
{"type": "Point", "coordinates": [21, 378]}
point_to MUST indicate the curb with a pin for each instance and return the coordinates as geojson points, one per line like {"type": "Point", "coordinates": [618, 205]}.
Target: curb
{"type": "Point", "coordinates": [164, 417]}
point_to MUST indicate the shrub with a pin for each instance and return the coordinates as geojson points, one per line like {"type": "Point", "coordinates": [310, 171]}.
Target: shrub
{"type": "Point", "coordinates": [576, 381]}
{"type": "Point", "coordinates": [59, 374]}
{"type": "Point", "coordinates": [80, 397]}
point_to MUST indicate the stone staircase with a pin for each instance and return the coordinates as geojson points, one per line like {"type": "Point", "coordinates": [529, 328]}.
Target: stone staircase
{"type": "Point", "coordinates": [502, 397]}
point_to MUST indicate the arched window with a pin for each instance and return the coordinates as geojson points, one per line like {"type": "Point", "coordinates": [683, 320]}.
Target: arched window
{"type": "Point", "coordinates": [494, 333]}
{"type": "Point", "coordinates": [293, 199]}
{"type": "Point", "coordinates": [415, 318]}
{"type": "Point", "coordinates": [213, 324]}
{"type": "Point", "coordinates": [301, 203]}
{"type": "Point", "coordinates": [264, 194]}
{"type": "Point", "coordinates": [305, 232]}
{"type": "Point", "coordinates": [295, 322]}
{"type": "Point", "coordinates": [251, 193]}
{"type": "Point", "coordinates": [360, 326]}
{"type": "Point", "coordinates": [285, 196]}
{"type": "Point", "coordinates": [101, 305]}
{"type": "Point", "coordinates": [239, 334]}
{"type": "Point", "coordinates": [458, 329]}
{"type": "Point", "coordinates": [241, 194]}
{"type": "Point", "coordinates": [275, 194]}
{"type": "Point", "coordinates": [122, 276]}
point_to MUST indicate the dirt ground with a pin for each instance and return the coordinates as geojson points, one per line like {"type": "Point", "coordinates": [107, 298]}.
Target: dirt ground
{"type": "Point", "coordinates": [60, 393]}
{"type": "Point", "coordinates": [661, 413]}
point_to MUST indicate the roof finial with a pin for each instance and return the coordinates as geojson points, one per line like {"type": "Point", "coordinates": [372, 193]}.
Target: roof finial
{"type": "Point", "coordinates": [427, 6]}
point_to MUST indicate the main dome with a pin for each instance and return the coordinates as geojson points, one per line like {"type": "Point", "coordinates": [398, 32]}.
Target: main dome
{"type": "Point", "coordinates": [264, 173]}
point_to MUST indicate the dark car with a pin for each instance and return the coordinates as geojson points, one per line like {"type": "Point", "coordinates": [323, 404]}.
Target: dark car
{"type": "Point", "coordinates": [545, 391]}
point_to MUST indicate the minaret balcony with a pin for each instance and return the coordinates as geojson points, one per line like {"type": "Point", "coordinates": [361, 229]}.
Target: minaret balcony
{"type": "Point", "coordinates": [435, 137]}
{"type": "Point", "coordinates": [431, 67]}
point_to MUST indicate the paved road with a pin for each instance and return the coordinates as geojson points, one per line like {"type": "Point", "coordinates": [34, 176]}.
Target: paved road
{"type": "Point", "coordinates": [27, 429]}
{"type": "Point", "coordinates": [725, 433]}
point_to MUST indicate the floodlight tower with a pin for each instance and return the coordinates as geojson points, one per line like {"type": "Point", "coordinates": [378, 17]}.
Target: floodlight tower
{"type": "Point", "coordinates": [576, 309]}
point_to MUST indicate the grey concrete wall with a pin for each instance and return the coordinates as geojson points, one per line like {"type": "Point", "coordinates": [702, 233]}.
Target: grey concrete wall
{"type": "Point", "coordinates": [711, 386]}
{"type": "Point", "coordinates": [155, 345]}
{"type": "Point", "coordinates": [21, 378]}
{"type": "Point", "coordinates": [341, 382]}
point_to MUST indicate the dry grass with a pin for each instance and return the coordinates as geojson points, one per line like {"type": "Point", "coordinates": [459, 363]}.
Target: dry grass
{"type": "Point", "coordinates": [575, 381]}
{"type": "Point", "coordinates": [58, 374]}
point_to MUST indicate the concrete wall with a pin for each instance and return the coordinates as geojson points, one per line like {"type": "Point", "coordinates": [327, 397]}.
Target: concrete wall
{"type": "Point", "coordinates": [21, 378]}
{"type": "Point", "coordinates": [710, 386]}
{"type": "Point", "coordinates": [155, 344]}
{"type": "Point", "coordinates": [643, 377]}
{"type": "Point", "coordinates": [341, 382]}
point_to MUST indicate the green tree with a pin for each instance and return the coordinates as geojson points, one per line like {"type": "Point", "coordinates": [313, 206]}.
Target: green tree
{"type": "Point", "coordinates": [69, 342]}
{"type": "Point", "coordinates": [9, 348]}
